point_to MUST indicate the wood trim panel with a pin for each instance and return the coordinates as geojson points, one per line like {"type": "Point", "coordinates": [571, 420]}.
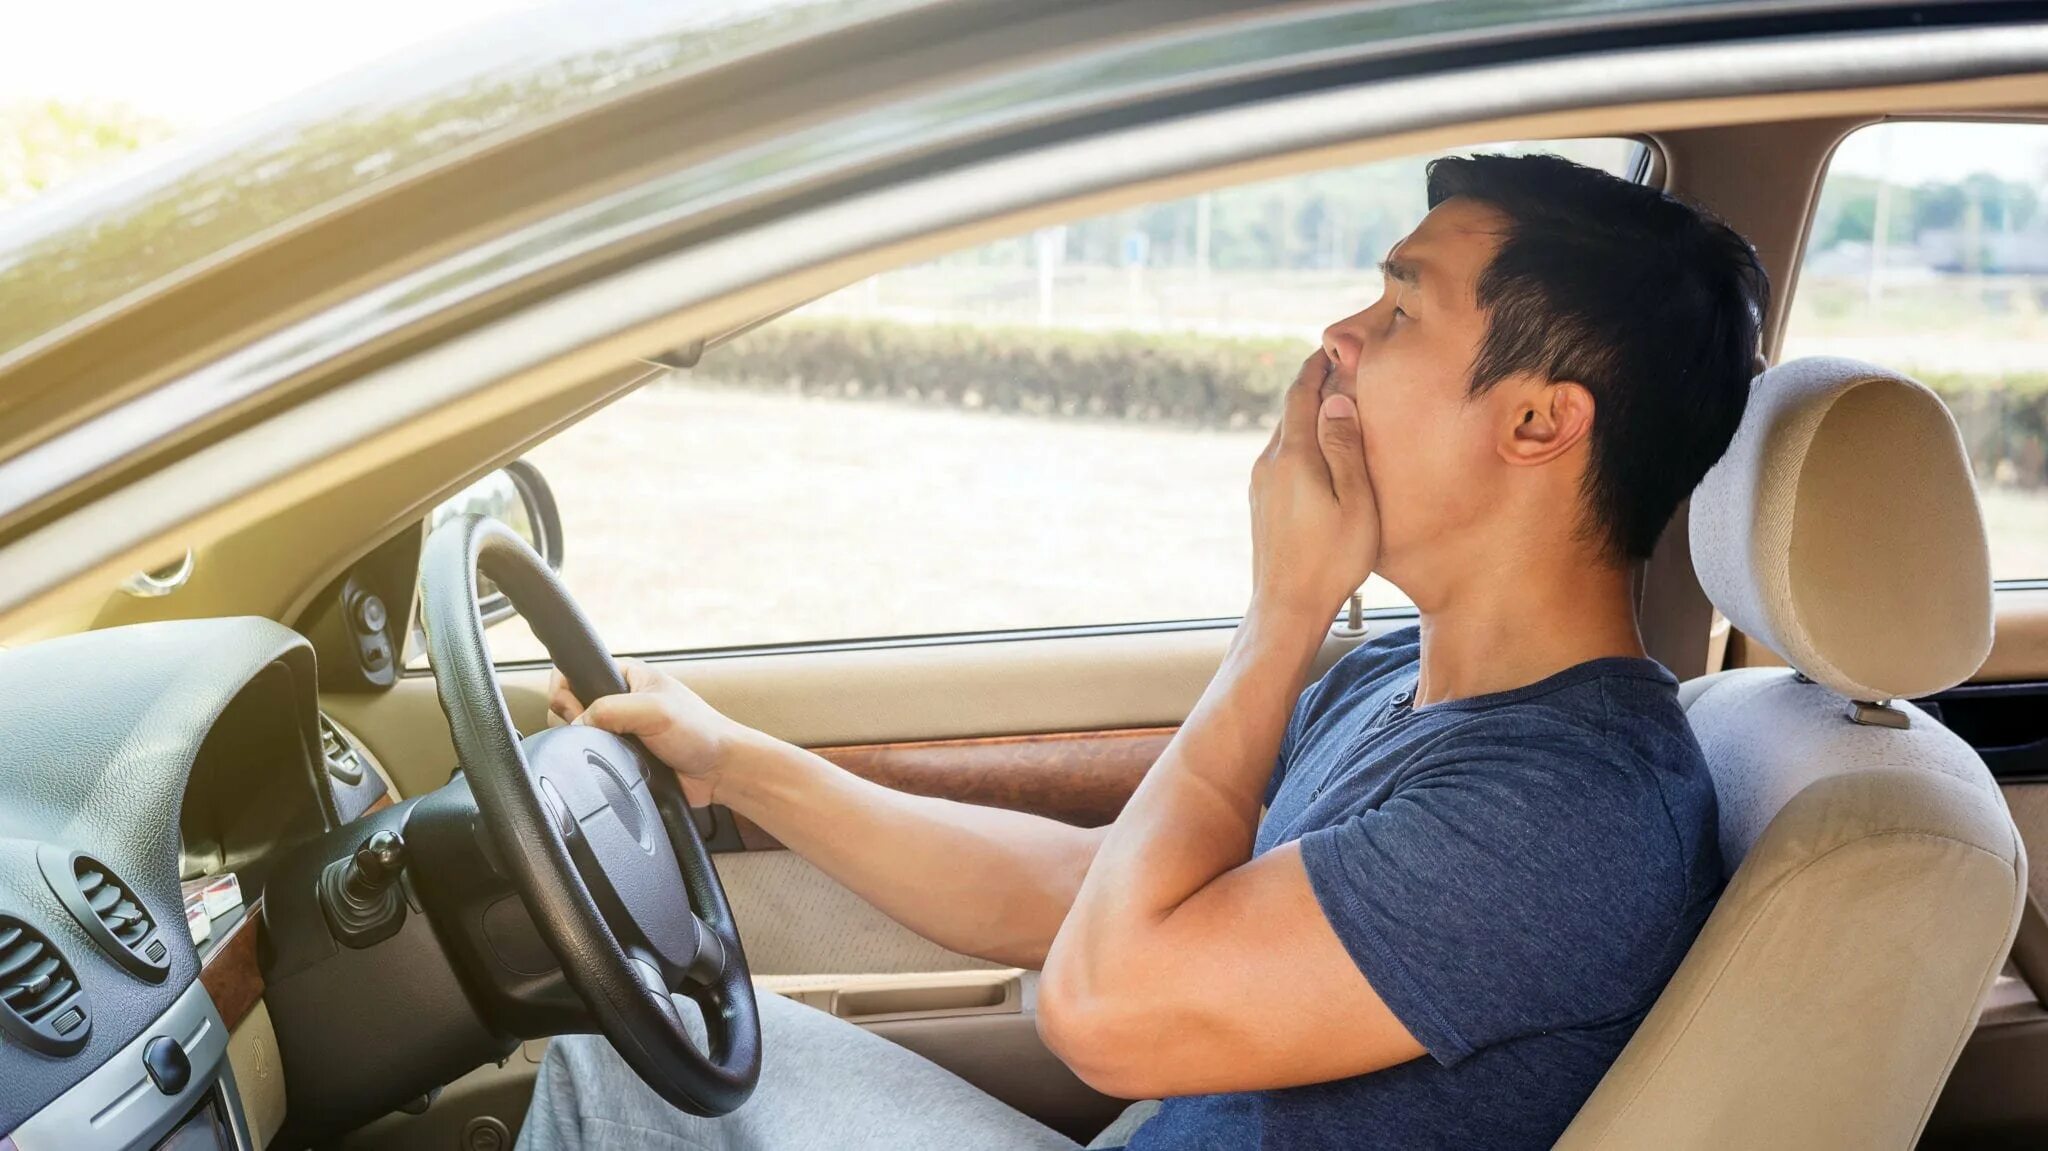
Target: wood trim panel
{"type": "Point", "coordinates": [230, 972]}
{"type": "Point", "coordinates": [1083, 778]}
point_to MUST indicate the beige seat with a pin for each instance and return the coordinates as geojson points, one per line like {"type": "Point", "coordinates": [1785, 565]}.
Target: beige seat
{"type": "Point", "coordinates": [1876, 877]}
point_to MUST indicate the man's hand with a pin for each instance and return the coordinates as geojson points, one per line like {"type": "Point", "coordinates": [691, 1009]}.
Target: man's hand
{"type": "Point", "coordinates": [674, 723]}
{"type": "Point", "coordinates": [1186, 965]}
{"type": "Point", "coordinates": [1315, 524]}
{"type": "Point", "coordinates": [992, 883]}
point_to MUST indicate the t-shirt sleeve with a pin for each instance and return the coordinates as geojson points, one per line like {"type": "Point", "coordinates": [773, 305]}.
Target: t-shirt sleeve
{"type": "Point", "coordinates": [1500, 891]}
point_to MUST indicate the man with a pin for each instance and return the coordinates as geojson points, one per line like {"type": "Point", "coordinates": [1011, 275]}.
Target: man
{"type": "Point", "coordinates": [1488, 841]}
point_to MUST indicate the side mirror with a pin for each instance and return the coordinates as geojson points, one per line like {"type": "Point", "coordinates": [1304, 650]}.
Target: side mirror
{"type": "Point", "coordinates": [517, 496]}
{"type": "Point", "coordinates": [351, 623]}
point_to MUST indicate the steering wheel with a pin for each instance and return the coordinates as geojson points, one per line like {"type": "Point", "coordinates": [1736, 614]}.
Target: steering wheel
{"type": "Point", "coordinates": [593, 831]}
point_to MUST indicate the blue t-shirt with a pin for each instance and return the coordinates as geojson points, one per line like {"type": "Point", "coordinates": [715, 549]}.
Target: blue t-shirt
{"type": "Point", "coordinates": [1516, 874]}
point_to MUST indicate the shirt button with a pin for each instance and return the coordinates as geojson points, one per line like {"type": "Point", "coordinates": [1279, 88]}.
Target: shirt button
{"type": "Point", "coordinates": [1400, 698]}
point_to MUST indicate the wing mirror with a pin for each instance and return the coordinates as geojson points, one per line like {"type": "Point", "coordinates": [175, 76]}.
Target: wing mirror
{"type": "Point", "coordinates": [352, 625]}
{"type": "Point", "coordinates": [519, 497]}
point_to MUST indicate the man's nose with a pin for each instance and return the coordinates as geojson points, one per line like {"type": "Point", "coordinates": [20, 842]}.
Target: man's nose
{"type": "Point", "coordinates": [1343, 346]}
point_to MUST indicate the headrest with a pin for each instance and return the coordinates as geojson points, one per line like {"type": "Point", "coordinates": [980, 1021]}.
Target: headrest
{"type": "Point", "coordinates": [1842, 531]}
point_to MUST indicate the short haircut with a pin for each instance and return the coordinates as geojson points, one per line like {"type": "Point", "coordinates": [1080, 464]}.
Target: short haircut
{"type": "Point", "coordinates": [1651, 303]}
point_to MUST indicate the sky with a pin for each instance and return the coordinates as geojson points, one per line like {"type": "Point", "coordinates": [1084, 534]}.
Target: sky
{"type": "Point", "coordinates": [201, 63]}
{"type": "Point", "coordinates": [1909, 153]}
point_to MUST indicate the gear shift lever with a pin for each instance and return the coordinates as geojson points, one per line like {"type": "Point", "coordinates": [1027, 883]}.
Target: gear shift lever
{"type": "Point", "coordinates": [361, 895]}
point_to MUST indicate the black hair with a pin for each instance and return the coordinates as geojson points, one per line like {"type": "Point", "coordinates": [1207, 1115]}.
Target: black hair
{"type": "Point", "coordinates": [1650, 302]}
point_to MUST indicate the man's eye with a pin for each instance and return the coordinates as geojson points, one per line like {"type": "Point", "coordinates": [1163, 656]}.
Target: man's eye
{"type": "Point", "coordinates": [1400, 313]}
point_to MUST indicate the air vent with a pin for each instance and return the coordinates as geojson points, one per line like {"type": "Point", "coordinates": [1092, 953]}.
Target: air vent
{"type": "Point", "coordinates": [41, 1005]}
{"type": "Point", "coordinates": [343, 761]}
{"type": "Point", "coordinates": [109, 911]}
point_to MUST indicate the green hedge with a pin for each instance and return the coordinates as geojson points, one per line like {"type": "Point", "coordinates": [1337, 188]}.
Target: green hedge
{"type": "Point", "coordinates": [1190, 379]}
{"type": "Point", "coordinates": [1178, 378]}
{"type": "Point", "coordinates": [2004, 422]}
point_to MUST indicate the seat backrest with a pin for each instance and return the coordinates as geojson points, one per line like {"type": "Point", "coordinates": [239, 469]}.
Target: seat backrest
{"type": "Point", "coordinates": [1876, 877]}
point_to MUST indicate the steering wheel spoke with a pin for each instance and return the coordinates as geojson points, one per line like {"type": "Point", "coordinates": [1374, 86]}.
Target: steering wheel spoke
{"type": "Point", "coordinates": [709, 967]}
{"type": "Point", "coordinates": [602, 850]}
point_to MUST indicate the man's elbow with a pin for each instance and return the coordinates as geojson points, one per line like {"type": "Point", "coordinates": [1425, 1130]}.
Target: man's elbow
{"type": "Point", "coordinates": [1078, 1027]}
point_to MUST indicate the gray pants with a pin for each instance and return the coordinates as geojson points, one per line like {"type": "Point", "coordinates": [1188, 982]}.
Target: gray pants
{"type": "Point", "coordinates": [826, 1085]}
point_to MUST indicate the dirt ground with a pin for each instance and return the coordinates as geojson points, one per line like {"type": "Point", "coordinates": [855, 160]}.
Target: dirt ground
{"type": "Point", "coordinates": [698, 516]}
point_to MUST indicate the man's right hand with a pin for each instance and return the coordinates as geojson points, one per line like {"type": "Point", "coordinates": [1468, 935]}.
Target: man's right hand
{"type": "Point", "coordinates": [1315, 518]}
{"type": "Point", "coordinates": [674, 723]}
{"type": "Point", "coordinates": [992, 883]}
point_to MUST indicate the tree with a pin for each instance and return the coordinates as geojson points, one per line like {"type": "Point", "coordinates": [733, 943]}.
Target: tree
{"type": "Point", "coordinates": [47, 143]}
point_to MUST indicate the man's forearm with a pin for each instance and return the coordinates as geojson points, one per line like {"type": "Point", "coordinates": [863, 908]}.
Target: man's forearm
{"type": "Point", "coordinates": [1197, 812]}
{"type": "Point", "coordinates": [990, 883]}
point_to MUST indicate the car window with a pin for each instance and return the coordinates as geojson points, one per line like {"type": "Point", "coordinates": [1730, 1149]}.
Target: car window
{"type": "Point", "coordinates": [1053, 430]}
{"type": "Point", "coordinates": [1929, 255]}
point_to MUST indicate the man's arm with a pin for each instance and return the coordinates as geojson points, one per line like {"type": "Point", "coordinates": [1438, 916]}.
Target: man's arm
{"type": "Point", "coordinates": [1184, 965]}
{"type": "Point", "coordinates": [980, 880]}
{"type": "Point", "coordinates": [986, 882]}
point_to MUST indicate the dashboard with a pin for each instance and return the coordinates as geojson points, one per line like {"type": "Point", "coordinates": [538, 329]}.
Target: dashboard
{"type": "Point", "coordinates": [138, 763]}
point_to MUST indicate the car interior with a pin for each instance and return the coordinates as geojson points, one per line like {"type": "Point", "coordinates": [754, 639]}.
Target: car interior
{"type": "Point", "coordinates": [1871, 694]}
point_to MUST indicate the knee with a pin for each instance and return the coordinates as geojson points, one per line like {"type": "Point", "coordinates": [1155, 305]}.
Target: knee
{"type": "Point", "coordinates": [577, 1059]}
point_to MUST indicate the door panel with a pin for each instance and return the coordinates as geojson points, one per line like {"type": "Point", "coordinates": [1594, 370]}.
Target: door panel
{"type": "Point", "coordinates": [798, 921]}
{"type": "Point", "coordinates": [863, 696]}
{"type": "Point", "coordinates": [2019, 651]}
{"type": "Point", "coordinates": [1993, 1097]}
{"type": "Point", "coordinates": [1082, 778]}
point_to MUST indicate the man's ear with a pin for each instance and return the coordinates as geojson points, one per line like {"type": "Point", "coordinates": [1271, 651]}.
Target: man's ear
{"type": "Point", "coordinates": [1548, 420]}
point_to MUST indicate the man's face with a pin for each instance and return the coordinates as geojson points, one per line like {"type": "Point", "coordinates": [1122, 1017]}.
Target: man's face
{"type": "Point", "coordinates": [1406, 361]}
